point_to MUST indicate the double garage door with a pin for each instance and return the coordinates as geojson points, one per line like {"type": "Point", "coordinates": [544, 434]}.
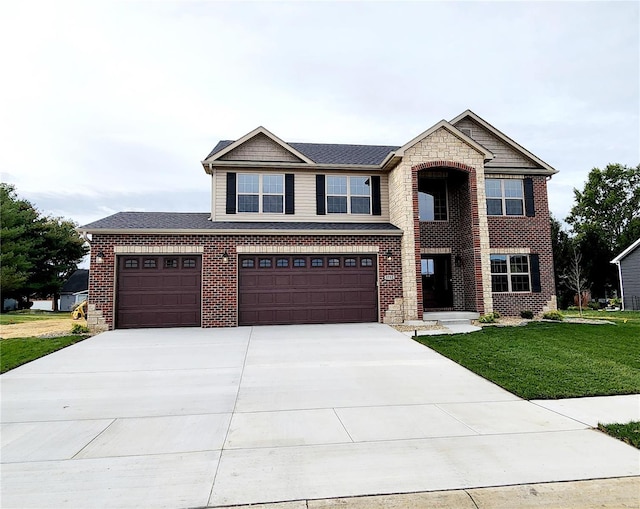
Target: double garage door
{"type": "Point", "coordinates": [165, 291]}
{"type": "Point", "coordinates": [289, 289]}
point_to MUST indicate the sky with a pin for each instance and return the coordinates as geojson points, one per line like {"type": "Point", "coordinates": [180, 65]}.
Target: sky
{"type": "Point", "coordinates": [111, 106]}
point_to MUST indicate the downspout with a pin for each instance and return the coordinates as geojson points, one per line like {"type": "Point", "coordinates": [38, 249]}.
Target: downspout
{"type": "Point", "coordinates": [212, 217]}
{"type": "Point", "coordinates": [621, 285]}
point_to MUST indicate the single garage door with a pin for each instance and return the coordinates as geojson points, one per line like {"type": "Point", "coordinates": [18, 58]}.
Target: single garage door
{"type": "Point", "coordinates": [282, 289]}
{"type": "Point", "coordinates": [158, 291]}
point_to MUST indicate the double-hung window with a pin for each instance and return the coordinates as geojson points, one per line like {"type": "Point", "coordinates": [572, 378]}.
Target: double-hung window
{"type": "Point", "coordinates": [505, 197]}
{"type": "Point", "coordinates": [348, 195]}
{"type": "Point", "coordinates": [260, 193]}
{"type": "Point", "coordinates": [510, 273]}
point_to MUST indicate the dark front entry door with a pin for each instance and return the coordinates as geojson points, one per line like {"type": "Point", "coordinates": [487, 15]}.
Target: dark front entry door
{"type": "Point", "coordinates": [436, 281]}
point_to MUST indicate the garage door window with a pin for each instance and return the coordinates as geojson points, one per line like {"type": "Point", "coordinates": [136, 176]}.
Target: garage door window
{"type": "Point", "coordinates": [366, 262]}
{"type": "Point", "coordinates": [350, 262]}
{"type": "Point", "coordinates": [265, 263]}
{"type": "Point", "coordinates": [299, 262]}
{"type": "Point", "coordinates": [248, 263]}
{"type": "Point", "coordinates": [334, 262]}
{"type": "Point", "coordinates": [170, 263]}
{"type": "Point", "coordinates": [189, 263]}
{"type": "Point", "coordinates": [150, 263]}
{"type": "Point", "coordinates": [282, 262]}
{"type": "Point", "coordinates": [316, 262]}
{"type": "Point", "coordinates": [131, 263]}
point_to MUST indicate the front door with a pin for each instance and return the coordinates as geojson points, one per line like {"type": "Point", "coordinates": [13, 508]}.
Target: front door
{"type": "Point", "coordinates": [436, 282]}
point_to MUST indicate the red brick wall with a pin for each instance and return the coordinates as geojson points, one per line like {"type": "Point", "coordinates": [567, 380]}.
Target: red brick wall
{"type": "Point", "coordinates": [219, 279]}
{"type": "Point", "coordinates": [526, 232]}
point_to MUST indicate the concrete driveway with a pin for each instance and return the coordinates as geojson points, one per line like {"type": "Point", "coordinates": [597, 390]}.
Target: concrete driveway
{"type": "Point", "coordinates": [196, 417]}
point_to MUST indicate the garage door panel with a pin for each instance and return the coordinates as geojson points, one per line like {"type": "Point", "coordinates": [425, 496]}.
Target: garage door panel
{"type": "Point", "coordinates": [168, 295]}
{"type": "Point", "coordinates": [310, 294]}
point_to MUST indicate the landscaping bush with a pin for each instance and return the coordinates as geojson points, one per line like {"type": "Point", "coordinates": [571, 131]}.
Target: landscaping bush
{"type": "Point", "coordinates": [573, 308]}
{"type": "Point", "coordinates": [489, 318]}
{"type": "Point", "coordinates": [526, 314]}
{"type": "Point", "coordinates": [77, 328]}
{"type": "Point", "coordinates": [594, 305]}
{"type": "Point", "coordinates": [553, 315]}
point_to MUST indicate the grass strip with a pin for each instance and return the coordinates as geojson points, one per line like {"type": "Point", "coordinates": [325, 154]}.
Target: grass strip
{"type": "Point", "coordinates": [18, 351]}
{"type": "Point", "coordinates": [544, 360]}
{"type": "Point", "coordinates": [628, 433]}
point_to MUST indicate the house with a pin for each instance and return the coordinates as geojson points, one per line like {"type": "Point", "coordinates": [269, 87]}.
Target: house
{"type": "Point", "coordinates": [628, 263]}
{"type": "Point", "coordinates": [74, 289]}
{"type": "Point", "coordinates": [455, 219]}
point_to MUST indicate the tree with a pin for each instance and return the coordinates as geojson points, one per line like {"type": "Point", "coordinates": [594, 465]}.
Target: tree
{"type": "Point", "coordinates": [609, 204]}
{"type": "Point", "coordinates": [561, 246]}
{"type": "Point", "coordinates": [605, 220]}
{"type": "Point", "coordinates": [38, 253]}
{"type": "Point", "coordinates": [574, 276]}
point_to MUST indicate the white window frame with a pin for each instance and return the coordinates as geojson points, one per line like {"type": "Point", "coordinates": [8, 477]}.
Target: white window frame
{"type": "Point", "coordinates": [504, 198]}
{"type": "Point", "coordinates": [509, 273]}
{"type": "Point", "coordinates": [261, 193]}
{"type": "Point", "coordinates": [348, 194]}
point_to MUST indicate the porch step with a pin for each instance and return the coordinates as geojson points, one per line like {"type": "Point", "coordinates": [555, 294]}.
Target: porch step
{"type": "Point", "coordinates": [456, 321]}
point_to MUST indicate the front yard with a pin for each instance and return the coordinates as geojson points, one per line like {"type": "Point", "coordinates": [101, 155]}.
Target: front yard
{"type": "Point", "coordinates": [544, 360]}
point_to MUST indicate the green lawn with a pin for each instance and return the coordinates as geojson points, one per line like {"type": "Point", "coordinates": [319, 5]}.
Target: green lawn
{"type": "Point", "coordinates": [629, 433]}
{"type": "Point", "coordinates": [545, 360]}
{"type": "Point", "coordinates": [18, 351]}
{"type": "Point", "coordinates": [30, 316]}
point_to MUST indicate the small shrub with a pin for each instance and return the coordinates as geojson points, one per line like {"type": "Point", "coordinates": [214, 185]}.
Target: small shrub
{"type": "Point", "coordinates": [553, 315]}
{"type": "Point", "coordinates": [573, 308]}
{"type": "Point", "coordinates": [496, 315]}
{"type": "Point", "coordinates": [526, 314]}
{"type": "Point", "coordinates": [488, 318]}
{"type": "Point", "coordinates": [76, 328]}
{"type": "Point", "coordinates": [594, 305]}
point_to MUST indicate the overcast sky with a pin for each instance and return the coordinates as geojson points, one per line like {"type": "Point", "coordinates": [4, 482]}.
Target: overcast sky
{"type": "Point", "coordinates": [111, 106]}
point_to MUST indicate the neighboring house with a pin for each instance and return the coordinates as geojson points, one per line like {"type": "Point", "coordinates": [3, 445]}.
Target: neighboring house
{"type": "Point", "coordinates": [455, 219]}
{"type": "Point", "coordinates": [628, 263]}
{"type": "Point", "coordinates": [74, 290]}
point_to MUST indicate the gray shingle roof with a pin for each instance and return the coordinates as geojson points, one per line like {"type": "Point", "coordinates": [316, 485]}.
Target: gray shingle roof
{"type": "Point", "coordinates": [77, 282]}
{"type": "Point", "coordinates": [332, 153]}
{"type": "Point", "coordinates": [200, 221]}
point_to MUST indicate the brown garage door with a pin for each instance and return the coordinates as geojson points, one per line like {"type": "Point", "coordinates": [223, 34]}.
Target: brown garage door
{"type": "Point", "coordinates": [282, 289]}
{"type": "Point", "coordinates": [158, 291]}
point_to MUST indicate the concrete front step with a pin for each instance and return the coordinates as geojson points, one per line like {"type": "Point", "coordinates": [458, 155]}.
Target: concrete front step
{"type": "Point", "coordinates": [450, 315]}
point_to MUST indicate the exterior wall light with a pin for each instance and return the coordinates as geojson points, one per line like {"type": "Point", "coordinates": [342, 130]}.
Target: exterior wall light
{"type": "Point", "coordinates": [458, 261]}
{"type": "Point", "coordinates": [100, 257]}
{"type": "Point", "coordinates": [225, 257]}
{"type": "Point", "coordinates": [389, 255]}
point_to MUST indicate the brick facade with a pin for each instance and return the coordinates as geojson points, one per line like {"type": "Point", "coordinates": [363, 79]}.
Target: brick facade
{"type": "Point", "coordinates": [220, 279]}
{"type": "Point", "coordinates": [526, 235]}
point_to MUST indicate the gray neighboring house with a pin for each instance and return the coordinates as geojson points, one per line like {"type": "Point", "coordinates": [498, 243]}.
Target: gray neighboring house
{"type": "Point", "coordinates": [628, 263]}
{"type": "Point", "coordinates": [74, 290]}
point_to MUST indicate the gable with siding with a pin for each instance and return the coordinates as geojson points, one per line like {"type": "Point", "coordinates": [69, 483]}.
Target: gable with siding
{"type": "Point", "coordinates": [261, 148]}
{"type": "Point", "coordinates": [505, 156]}
{"type": "Point", "coordinates": [630, 272]}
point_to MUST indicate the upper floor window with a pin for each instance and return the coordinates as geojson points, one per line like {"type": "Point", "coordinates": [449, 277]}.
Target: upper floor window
{"type": "Point", "coordinates": [505, 197]}
{"type": "Point", "coordinates": [432, 199]}
{"type": "Point", "coordinates": [260, 193]}
{"type": "Point", "coordinates": [510, 273]}
{"type": "Point", "coordinates": [348, 195]}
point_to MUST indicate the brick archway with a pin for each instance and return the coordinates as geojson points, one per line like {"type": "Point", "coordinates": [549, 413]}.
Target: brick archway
{"type": "Point", "coordinates": [443, 164]}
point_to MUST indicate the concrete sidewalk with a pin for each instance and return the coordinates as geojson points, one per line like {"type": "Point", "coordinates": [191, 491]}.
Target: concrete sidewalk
{"type": "Point", "coordinates": [200, 417]}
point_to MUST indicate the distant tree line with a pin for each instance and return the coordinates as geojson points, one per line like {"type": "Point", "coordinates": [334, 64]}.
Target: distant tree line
{"type": "Point", "coordinates": [37, 253]}
{"type": "Point", "coordinates": [604, 221]}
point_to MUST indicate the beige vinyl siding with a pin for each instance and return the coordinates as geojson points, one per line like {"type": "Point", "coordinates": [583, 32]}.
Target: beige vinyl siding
{"type": "Point", "coordinates": [260, 148]}
{"type": "Point", "coordinates": [305, 200]}
{"type": "Point", "coordinates": [505, 156]}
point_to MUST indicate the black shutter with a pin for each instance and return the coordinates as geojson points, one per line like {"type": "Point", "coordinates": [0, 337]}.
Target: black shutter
{"type": "Point", "coordinates": [289, 194]}
{"type": "Point", "coordinates": [529, 206]}
{"type": "Point", "coordinates": [534, 262]}
{"type": "Point", "coordinates": [320, 206]}
{"type": "Point", "coordinates": [376, 207]}
{"type": "Point", "coordinates": [231, 193]}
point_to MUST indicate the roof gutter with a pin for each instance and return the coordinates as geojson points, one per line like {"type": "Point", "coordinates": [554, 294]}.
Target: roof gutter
{"type": "Point", "coordinates": [248, 231]}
